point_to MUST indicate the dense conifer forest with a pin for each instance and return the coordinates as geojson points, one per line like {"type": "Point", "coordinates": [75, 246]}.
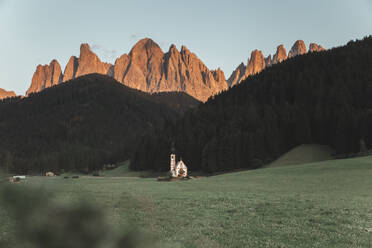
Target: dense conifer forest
{"type": "Point", "coordinates": [81, 124]}
{"type": "Point", "coordinates": [323, 98]}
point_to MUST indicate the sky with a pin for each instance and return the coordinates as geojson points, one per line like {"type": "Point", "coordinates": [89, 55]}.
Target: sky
{"type": "Point", "coordinates": [222, 33]}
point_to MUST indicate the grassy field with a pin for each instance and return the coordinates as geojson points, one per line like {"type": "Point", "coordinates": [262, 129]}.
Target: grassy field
{"type": "Point", "coordinates": [307, 153]}
{"type": "Point", "coordinates": [123, 171]}
{"type": "Point", "coordinates": [324, 204]}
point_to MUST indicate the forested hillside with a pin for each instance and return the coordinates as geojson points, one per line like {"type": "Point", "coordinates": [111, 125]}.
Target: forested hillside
{"type": "Point", "coordinates": [81, 124]}
{"type": "Point", "coordinates": [323, 98]}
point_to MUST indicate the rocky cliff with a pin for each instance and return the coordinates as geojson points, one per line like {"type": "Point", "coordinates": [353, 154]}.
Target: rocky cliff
{"type": "Point", "coordinates": [298, 48]}
{"type": "Point", "coordinates": [256, 63]}
{"type": "Point", "coordinates": [45, 76]}
{"type": "Point", "coordinates": [280, 55]}
{"type": "Point", "coordinates": [237, 74]}
{"type": "Point", "coordinates": [71, 68]}
{"type": "Point", "coordinates": [87, 63]}
{"type": "Point", "coordinates": [6, 94]}
{"type": "Point", "coordinates": [146, 68]}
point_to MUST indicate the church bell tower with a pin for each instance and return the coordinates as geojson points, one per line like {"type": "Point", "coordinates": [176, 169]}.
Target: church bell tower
{"type": "Point", "coordinates": [173, 161]}
{"type": "Point", "coordinates": [173, 164]}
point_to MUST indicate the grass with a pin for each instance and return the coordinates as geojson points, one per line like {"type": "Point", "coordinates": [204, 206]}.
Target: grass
{"type": "Point", "coordinates": [324, 204]}
{"type": "Point", "coordinates": [123, 171]}
{"type": "Point", "coordinates": [306, 153]}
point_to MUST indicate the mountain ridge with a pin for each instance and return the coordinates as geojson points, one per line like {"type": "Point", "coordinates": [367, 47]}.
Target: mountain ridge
{"type": "Point", "coordinates": [146, 67]}
{"type": "Point", "coordinates": [257, 62]}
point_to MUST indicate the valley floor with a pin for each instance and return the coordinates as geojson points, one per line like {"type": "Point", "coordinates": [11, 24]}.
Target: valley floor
{"type": "Point", "coordinates": [325, 204]}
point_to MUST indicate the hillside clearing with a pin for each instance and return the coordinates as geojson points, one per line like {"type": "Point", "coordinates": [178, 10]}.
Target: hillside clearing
{"type": "Point", "coordinates": [306, 153]}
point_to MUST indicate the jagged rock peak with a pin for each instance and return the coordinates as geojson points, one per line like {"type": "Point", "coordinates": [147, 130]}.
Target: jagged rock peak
{"type": "Point", "coordinates": [219, 75]}
{"type": "Point", "coordinates": [84, 49]}
{"type": "Point", "coordinates": [184, 49]}
{"type": "Point", "coordinates": [237, 75]}
{"type": "Point", "coordinates": [280, 55]}
{"type": "Point", "coordinates": [70, 69]}
{"type": "Point", "coordinates": [89, 62]}
{"type": "Point", "coordinates": [256, 63]}
{"type": "Point", "coordinates": [145, 68]}
{"type": "Point", "coordinates": [241, 66]}
{"type": "Point", "coordinates": [147, 45]}
{"type": "Point", "coordinates": [268, 61]}
{"type": "Point", "coordinates": [315, 48]}
{"type": "Point", "coordinates": [173, 48]}
{"type": "Point", "coordinates": [5, 94]}
{"type": "Point", "coordinates": [120, 67]}
{"type": "Point", "coordinates": [298, 48]}
{"type": "Point", "coordinates": [45, 76]}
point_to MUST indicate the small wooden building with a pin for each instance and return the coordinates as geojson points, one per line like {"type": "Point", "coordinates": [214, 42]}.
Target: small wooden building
{"type": "Point", "coordinates": [49, 174]}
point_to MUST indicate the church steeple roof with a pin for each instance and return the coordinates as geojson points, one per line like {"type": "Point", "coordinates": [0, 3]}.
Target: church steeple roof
{"type": "Point", "coordinates": [173, 147]}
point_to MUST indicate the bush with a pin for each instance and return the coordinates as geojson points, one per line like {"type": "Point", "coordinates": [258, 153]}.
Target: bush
{"type": "Point", "coordinates": [40, 222]}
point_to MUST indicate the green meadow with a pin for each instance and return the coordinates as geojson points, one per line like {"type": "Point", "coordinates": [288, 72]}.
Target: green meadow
{"type": "Point", "coordinates": [323, 204]}
{"type": "Point", "coordinates": [306, 153]}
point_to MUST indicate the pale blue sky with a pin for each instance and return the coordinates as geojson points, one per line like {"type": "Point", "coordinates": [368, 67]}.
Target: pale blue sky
{"type": "Point", "coordinates": [221, 33]}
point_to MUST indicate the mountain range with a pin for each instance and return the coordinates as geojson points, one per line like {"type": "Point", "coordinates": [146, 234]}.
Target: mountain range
{"type": "Point", "coordinates": [146, 68]}
{"type": "Point", "coordinates": [257, 62]}
{"type": "Point", "coordinates": [149, 69]}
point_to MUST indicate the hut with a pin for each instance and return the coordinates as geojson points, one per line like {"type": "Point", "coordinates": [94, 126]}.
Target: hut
{"type": "Point", "coordinates": [49, 174]}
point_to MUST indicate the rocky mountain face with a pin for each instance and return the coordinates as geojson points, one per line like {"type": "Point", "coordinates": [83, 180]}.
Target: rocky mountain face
{"type": "Point", "coordinates": [146, 68]}
{"type": "Point", "coordinates": [6, 94]}
{"type": "Point", "coordinates": [298, 48]}
{"type": "Point", "coordinates": [237, 74]}
{"type": "Point", "coordinates": [258, 62]}
{"type": "Point", "coordinates": [71, 68]}
{"type": "Point", "coordinates": [280, 55]}
{"type": "Point", "coordinates": [255, 64]}
{"type": "Point", "coordinates": [87, 63]}
{"type": "Point", "coordinates": [315, 48]}
{"type": "Point", "coordinates": [45, 76]}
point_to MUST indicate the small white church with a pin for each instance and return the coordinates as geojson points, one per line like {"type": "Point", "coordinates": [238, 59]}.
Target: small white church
{"type": "Point", "coordinates": [179, 169]}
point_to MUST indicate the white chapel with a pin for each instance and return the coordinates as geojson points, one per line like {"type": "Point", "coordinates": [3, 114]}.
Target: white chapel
{"type": "Point", "coordinates": [179, 169]}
